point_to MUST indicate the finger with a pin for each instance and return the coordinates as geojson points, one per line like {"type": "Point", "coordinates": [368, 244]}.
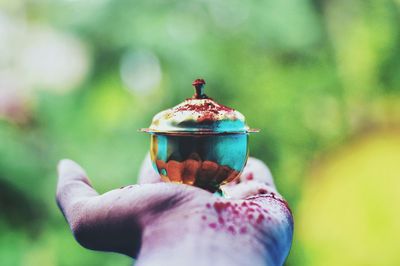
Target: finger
{"type": "Point", "coordinates": [256, 170]}
{"type": "Point", "coordinates": [73, 186]}
{"type": "Point", "coordinates": [248, 189]}
{"type": "Point", "coordinates": [276, 222]}
{"type": "Point", "coordinates": [255, 179]}
{"type": "Point", "coordinates": [86, 212]}
{"type": "Point", "coordinates": [271, 212]}
{"type": "Point", "coordinates": [148, 174]}
{"type": "Point", "coordinates": [116, 220]}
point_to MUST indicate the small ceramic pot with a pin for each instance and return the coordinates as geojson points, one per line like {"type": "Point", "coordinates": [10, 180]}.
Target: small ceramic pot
{"type": "Point", "coordinates": [199, 142]}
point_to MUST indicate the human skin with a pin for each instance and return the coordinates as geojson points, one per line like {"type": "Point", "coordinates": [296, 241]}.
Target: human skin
{"type": "Point", "coordinates": [173, 224]}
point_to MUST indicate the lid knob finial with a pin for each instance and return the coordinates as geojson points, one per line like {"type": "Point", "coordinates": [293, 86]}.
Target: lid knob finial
{"type": "Point", "coordinates": [199, 86]}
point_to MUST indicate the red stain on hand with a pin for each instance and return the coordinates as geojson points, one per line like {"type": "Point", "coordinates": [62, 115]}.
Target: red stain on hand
{"type": "Point", "coordinates": [230, 217]}
{"type": "Point", "coordinates": [248, 210]}
{"type": "Point", "coordinates": [250, 176]}
{"type": "Point", "coordinates": [260, 219]}
{"type": "Point", "coordinates": [213, 225]}
{"type": "Point", "coordinates": [262, 191]}
{"type": "Point", "coordinates": [243, 230]}
{"type": "Point", "coordinates": [231, 229]}
{"type": "Point", "coordinates": [255, 204]}
{"type": "Point", "coordinates": [220, 206]}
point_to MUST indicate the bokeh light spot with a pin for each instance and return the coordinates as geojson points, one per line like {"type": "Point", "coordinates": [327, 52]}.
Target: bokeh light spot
{"type": "Point", "coordinates": [140, 71]}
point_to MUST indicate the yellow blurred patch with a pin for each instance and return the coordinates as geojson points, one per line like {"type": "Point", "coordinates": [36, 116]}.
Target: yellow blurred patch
{"type": "Point", "coordinates": [349, 213]}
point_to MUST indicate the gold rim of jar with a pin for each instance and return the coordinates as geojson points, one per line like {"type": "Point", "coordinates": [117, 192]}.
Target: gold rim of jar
{"type": "Point", "coordinates": [196, 133]}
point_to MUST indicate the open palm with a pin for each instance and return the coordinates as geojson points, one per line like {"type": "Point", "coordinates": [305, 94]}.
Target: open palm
{"type": "Point", "coordinates": [174, 224]}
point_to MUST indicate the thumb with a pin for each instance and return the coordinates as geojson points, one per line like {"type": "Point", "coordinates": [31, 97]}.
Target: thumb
{"type": "Point", "coordinates": [255, 179]}
{"type": "Point", "coordinates": [147, 173]}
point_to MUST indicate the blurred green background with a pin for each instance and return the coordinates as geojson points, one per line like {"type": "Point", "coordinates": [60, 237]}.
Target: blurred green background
{"type": "Point", "coordinates": [320, 78]}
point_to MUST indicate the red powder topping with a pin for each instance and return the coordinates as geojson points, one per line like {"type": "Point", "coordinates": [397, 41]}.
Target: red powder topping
{"type": "Point", "coordinates": [204, 217]}
{"type": "Point", "coordinates": [206, 106]}
{"type": "Point", "coordinates": [206, 117]}
{"type": "Point", "coordinates": [208, 205]}
{"type": "Point", "coordinates": [221, 220]}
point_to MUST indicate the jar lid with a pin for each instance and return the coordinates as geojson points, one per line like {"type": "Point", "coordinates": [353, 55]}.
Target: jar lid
{"type": "Point", "coordinates": [199, 115]}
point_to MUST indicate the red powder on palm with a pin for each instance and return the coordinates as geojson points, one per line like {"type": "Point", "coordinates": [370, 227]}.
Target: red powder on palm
{"type": "Point", "coordinates": [262, 191]}
{"type": "Point", "coordinates": [243, 230]}
{"type": "Point", "coordinates": [260, 219]}
{"type": "Point", "coordinates": [220, 206]}
{"type": "Point", "coordinates": [231, 229]}
{"type": "Point", "coordinates": [213, 225]}
{"type": "Point", "coordinates": [250, 176]}
{"type": "Point", "coordinates": [254, 204]}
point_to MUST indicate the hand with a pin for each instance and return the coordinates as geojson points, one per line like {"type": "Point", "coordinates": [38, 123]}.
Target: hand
{"type": "Point", "coordinates": [173, 224]}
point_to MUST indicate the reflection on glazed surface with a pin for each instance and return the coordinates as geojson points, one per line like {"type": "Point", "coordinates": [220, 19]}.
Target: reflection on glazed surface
{"type": "Point", "coordinates": [203, 161]}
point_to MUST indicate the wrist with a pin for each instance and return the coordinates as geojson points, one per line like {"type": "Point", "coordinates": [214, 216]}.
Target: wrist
{"type": "Point", "coordinates": [170, 244]}
{"type": "Point", "coordinates": [195, 252]}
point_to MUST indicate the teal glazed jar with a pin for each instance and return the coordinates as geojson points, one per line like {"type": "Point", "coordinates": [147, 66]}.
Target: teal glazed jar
{"type": "Point", "coordinates": [199, 142]}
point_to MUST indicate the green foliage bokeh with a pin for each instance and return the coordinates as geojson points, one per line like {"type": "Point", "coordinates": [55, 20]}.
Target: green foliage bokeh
{"type": "Point", "coordinates": [310, 74]}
